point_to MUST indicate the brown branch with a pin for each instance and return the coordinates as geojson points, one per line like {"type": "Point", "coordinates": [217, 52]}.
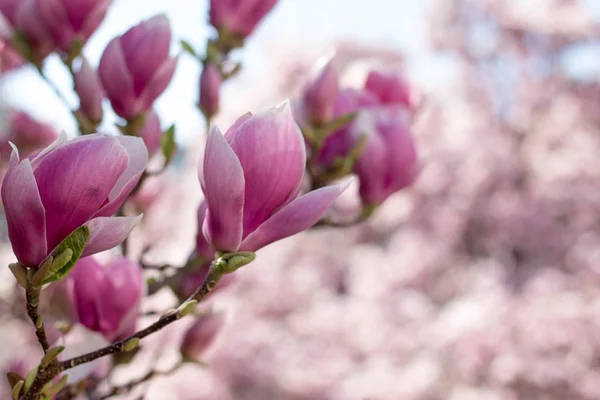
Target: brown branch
{"type": "Point", "coordinates": [32, 295]}
{"type": "Point", "coordinates": [208, 285]}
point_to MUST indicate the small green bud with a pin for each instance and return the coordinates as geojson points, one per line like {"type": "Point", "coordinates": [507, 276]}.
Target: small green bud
{"type": "Point", "coordinates": [187, 307]}
{"type": "Point", "coordinates": [229, 262]}
{"type": "Point", "coordinates": [131, 344]}
{"type": "Point", "coordinates": [42, 271]}
{"type": "Point", "coordinates": [51, 356]}
{"type": "Point", "coordinates": [20, 273]}
{"type": "Point", "coordinates": [17, 390]}
{"type": "Point", "coordinates": [30, 378]}
{"type": "Point", "coordinates": [54, 389]}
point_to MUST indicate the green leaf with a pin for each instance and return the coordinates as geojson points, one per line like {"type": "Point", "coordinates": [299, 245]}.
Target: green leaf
{"type": "Point", "coordinates": [168, 144]}
{"type": "Point", "coordinates": [188, 48]}
{"type": "Point", "coordinates": [75, 242]}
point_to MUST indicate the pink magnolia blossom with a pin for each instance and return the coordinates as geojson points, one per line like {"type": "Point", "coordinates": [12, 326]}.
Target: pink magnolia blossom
{"type": "Point", "coordinates": [319, 95]}
{"type": "Point", "coordinates": [107, 299]}
{"type": "Point", "coordinates": [239, 16]}
{"type": "Point", "coordinates": [151, 132]}
{"type": "Point", "coordinates": [388, 162]}
{"type": "Point", "coordinates": [201, 335]}
{"type": "Point", "coordinates": [90, 92]}
{"type": "Point", "coordinates": [71, 21]}
{"type": "Point", "coordinates": [67, 185]}
{"type": "Point", "coordinates": [251, 179]}
{"type": "Point", "coordinates": [135, 68]}
{"type": "Point", "coordinates": [210, 83]}
{"type": "Point", "coordinates": [25, 17]}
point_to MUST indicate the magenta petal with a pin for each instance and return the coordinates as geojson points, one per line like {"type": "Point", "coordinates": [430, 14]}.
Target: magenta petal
{"type": "Point", "coordinates": [108, 232]}
{"type": "Point", "coordinates": [149, 52]}
{"type": "Point", "coordinates": [222, 180]}
{"type": "Point", "coordinates": [117, 81]}
{"type": "Point", "coordinates": [93, 19]}
{"type": "Point", "coordinates": [36, 159]}
{"type": "Point", "coordinates": [119, 310]}
{"type": "Point", "coordinates": [300, 214]}
{"type": "Point", "coordinates": [88, 286]}
{"type": "Point", "coordinates": [136, 164]}
{"type": "Point", "coordinates": [74, 182]}
{"type": "Point", "coordinates": [372, 165]}
{"type": "Point", "coordinates": [158, 83]}
{"type": "Point", "coordinates": [272, 153]}
{"type": "Point", "coordinates": [25, 214]}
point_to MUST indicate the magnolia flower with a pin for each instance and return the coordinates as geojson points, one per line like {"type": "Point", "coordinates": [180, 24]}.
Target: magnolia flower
{"type": "Point", "coordinates": [107, 299]}
{"type": "Point", "coordinates": [388, 162]}
{"type": "Point", "coordinates": [67, 185]}
{"type": "Point", "coordinates": [89, 89]}
{"type": "Point", "coordinates": [319, 95]}
{"type": "Point", "coordinates": [71, 21]}
{"type": "Point", "coordinates": [136, 68]}
{"type": "Point", "coordinates": [210, 83]}
{"type": "Point", "coordinates": [201, 335]}
{"type": "Point", "coordinates": [251, 179]}
{"type": "Point", "coordinates": [239, 16]}
{"type": "Point", "coordinates": [151, 132]}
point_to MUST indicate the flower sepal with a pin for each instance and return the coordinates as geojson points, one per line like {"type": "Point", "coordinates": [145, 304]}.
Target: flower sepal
{"type": "Point", "coordinates": [227, 263]}
{"type": "Point", "coordinates": [58, 264]}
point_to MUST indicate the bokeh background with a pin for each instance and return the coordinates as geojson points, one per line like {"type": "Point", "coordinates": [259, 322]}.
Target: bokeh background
{"type": "Point", "coordinates": [481, 281]}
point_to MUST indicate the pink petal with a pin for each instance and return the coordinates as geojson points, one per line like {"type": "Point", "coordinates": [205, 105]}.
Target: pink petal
{"type": "Point", "coordinates": [158, 83]}
{"type": "Point", "coordinates": [372, 165]}
{"type": "Point", "coordinates": [149, 53]}
{"type": "Point", "coordinates": [137, 159]}
{"type": "Point", "coordinates": [25, 213]}
{"type": "Point", "coordinates": [75, 180]}
{"type": "Point", "coordinates": [222, 180]}
{"type": "Point", "coordinates": [117, 81]}
{"type": "Point", "coordinates": [108, 232]}
{"type": "Point", "coordinates": [299, 215]}
{"type": "Point", "coordinates": [88, 286]}
{"type": "Point", "coordinates": [120, 307]}
{"type": "Point", "coordinates": [272, 153]}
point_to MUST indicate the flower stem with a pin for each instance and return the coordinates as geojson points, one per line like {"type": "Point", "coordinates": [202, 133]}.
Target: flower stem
{"type": "Point", "coordinates": [211, 280]}
{"type": "Point", "coordinates": [126, 388]}
{"type": "Point", "coordinates": [32, 295]}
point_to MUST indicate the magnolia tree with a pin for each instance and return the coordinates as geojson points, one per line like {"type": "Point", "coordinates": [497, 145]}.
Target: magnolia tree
{"type": "Point", "coordinates": [269, 176]}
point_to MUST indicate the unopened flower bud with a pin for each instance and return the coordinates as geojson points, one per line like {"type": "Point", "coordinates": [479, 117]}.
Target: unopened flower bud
{"type": "Point", "coordinates": [201, 335]}
{"type": "Point", "coordinates": [210, 83]}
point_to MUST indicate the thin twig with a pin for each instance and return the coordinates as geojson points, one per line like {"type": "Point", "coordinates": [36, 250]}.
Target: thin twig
{"type": "Point", "coordinates": [211, 280]}
{"type": "Point", "coordinates": [126, 388]}
{"type": "Point", "coordinates": [32, 295]}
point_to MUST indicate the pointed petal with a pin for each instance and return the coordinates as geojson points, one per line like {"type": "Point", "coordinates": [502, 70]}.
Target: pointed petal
{"type": "Point", "coordinates": [36, 159]}
{"type": "Point", "coordinates": [222, 180]}
{"type": "Point", "coordinates": [108, 232]}
{"type": "Point", "coordinates": [136, 164]}
{"type": "Point", "coordinates": [149, 53]}
{"type": "Point", "coordinates": [75, 180]}
{"type": "Point", "coordinates": [88, 285]}
{"type": "Point", "coordinates": [117, 81]}
{"type": "Point", "coordinates": [372, 164]}
{"type": "Point", "coordinates": [295, 217]}
{"type": "Point", "coordinates": [120, 309]}
{"type": "Point", "coordinates": [272, 153]}
{"type": "Point", "coordinates": [158, 83]}
{"type": "Point", "coordinates": [25, 214]}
